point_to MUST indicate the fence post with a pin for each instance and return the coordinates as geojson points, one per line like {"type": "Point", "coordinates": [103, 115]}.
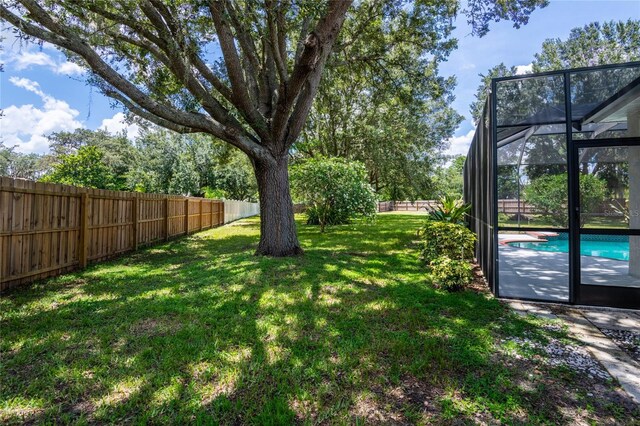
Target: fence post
{"type": "Point", "coordinates": [211, 212]}
{"type": "Point", "coordinates": [84, 229]}
{"type": "Point", "coordinates": [186, 216]}
{"type": "Point", "coordinates": [135, 222]}
{"type": "Point", "coordinates": [166, 218]}
{"type": "Point", "coordinates": [221, 213]}
{"type": "Point", "coordinates": [200, 214]}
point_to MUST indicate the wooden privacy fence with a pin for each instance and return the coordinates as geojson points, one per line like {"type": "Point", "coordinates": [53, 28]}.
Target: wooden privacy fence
{"type": "Point", "coordinates": [419, 205]}
{"type": "Point", "coordinates": [513, 207]}
{"type": "Point", "coordinates": [49, 229]}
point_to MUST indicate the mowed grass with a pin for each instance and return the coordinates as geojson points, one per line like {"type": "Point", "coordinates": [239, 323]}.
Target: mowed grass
{"type": "Point", "coordinates": [200, 330]}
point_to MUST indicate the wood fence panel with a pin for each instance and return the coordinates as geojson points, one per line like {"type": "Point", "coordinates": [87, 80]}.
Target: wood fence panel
{"type": "Point", "coordinates": [49, 229]}
{"type": "Point", "coordinates": [206, 214]}
{"type": "Point", "coordinates": [150, 219]}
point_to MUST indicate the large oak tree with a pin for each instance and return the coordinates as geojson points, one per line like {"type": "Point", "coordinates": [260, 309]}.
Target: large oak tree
{"type": "Point", "coordinates": [244, 71]}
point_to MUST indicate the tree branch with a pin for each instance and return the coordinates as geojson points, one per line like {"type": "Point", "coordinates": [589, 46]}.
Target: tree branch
{"type": "Point", "coordinates": [65, 38]}
{"type": "Point", "coordinates": [249, 53]}
{"type": "Point", "coordinates": [274, 40]}
{"type": "Point", "coordinates": [241, 97]}
{"type": "Point", "coordinates": [307, 71]}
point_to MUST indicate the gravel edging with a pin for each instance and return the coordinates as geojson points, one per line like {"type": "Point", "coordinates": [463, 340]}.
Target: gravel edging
{"type": "Point", "coordinates": [558, 353]}
{"type": "Point", "coordinates": [627, 340]}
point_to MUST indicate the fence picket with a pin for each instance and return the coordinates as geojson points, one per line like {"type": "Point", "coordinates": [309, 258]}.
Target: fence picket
{"type": "Point", "coordinates": [50, 229]}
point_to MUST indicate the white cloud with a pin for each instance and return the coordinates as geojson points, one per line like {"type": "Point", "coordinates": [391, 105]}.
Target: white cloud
{"type": "Point", "coordinates": [118, 124]}
{"type": "Point", "coordinates": [30, 85]}
{"type": "Point", "coordinates": [69, 68]}
{"type": "Point", "coordinates": [460, 144]}
{"type": "Point", "coordinates": [524, 69]}
{"type": "Point", "coordinates": [26, 126]}
{"type": "Point", "coordinates": [26, 59]}
{"type": "Point", "coordinates": [23, 57]}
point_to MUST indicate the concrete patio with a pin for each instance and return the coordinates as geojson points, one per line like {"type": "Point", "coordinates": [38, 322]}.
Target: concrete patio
{"type": "Point", "coordinates": [533, 274]}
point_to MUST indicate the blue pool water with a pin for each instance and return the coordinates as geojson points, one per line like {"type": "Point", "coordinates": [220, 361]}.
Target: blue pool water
{"type": "Point", "coordinates": [617, 250]}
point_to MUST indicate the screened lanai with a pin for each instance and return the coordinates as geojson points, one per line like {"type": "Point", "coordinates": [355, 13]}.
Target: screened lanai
{"type": "Point", "coordinates": [553, 175]}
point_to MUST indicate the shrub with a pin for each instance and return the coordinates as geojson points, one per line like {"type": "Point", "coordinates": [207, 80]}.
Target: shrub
{"type": "Point", "coordinates": [549, 195]}
{"type": "Point", "coordinates": [334, 190]}
{"type": "Point", "coordinates": [450, 209]}
{"type": "Point", "coordinates": [451, 274]}
{"type": "Point", "coordinates": [503, 217]}
{"type": "Point", "coordinates": [332, 217]}
{"type": "Point", "coordinates": [446, 239]}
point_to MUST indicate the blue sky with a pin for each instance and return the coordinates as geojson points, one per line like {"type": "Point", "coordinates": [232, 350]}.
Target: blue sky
{"type": "Point", "coordinates": [40, 92]}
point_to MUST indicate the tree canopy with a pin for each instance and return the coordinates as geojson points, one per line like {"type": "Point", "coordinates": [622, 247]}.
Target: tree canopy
{"type": "Point", "coordinates": [157, 161]}
{"type": "Point", "coordinates": [382, 101]}
{"type": "Point", "coordinates": [450, 177]}
{"type": "Point", "coordinates": [18, 165]}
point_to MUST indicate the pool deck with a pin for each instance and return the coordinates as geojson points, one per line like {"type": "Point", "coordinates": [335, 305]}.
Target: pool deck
{"type": "Point", "coordinates": [534, 274]}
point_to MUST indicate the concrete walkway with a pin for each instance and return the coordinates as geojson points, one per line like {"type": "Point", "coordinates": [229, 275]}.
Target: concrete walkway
{"type": "Point", "coordinates": [586, 325]}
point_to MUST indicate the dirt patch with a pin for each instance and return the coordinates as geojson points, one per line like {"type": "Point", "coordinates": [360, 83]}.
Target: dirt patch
{"type": "Point", "coordinates": [155, 327]}
{"type": "Point", "coordinates": [373, 411]}
{"type": "Point", "coordinates": [479, 284]}
{"type": "Point", "coordinates": [419, 394]}
{"type": "Point", "coordinates": [401, 404]}
{"type": "Point", "coordinates": [22, 416]}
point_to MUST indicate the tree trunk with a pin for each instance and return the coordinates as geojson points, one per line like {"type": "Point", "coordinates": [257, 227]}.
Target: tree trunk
{"type": "Point", "coordinates": [278, 235]}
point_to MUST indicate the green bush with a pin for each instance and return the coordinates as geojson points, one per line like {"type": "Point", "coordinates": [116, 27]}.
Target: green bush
{"type": "Point", "coordinates": [446, 239]}
{"type": "Point", "coordinates": [332, 217]}
{"type": "Point", "coordinates": [335, 190]}
{"type": "Point", "coordinates": [503, 217]}
{"type": "Point", "coordinates": [451, 274]}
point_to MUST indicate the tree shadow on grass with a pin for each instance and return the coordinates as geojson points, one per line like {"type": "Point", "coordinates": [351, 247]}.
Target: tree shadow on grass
{"type": "Point", "coordinates": [201, 331]}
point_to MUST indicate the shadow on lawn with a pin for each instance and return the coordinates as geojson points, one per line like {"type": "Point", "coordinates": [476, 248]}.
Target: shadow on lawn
{"type": "Point", "coordinates": [200, 330]}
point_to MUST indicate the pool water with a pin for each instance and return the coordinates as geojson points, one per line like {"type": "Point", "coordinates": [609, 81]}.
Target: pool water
{"type": "Point", "coordinates": [617, 250]}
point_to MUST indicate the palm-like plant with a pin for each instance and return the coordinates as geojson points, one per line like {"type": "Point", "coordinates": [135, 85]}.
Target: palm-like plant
{"type": "Point", "coordinates": [450, 209]}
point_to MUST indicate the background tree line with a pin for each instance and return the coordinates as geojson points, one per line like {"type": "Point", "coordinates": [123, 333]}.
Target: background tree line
{"type": "Point", "coordinates": [157, 161]}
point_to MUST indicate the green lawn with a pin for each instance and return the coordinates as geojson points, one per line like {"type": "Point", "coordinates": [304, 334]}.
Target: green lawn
{"type": "Point", "coordinates": [200, 330]}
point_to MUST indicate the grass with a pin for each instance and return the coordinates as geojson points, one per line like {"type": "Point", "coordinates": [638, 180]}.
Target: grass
{"type": "Point", "coordinates": [200, 330]}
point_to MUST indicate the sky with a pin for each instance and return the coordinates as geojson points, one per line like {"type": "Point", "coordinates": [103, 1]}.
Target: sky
{"type": "Point", "coordinates": [41, 92]}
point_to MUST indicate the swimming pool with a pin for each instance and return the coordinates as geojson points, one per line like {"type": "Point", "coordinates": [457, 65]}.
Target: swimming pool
{"type": "Point", "coordinates": [617, 250]}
